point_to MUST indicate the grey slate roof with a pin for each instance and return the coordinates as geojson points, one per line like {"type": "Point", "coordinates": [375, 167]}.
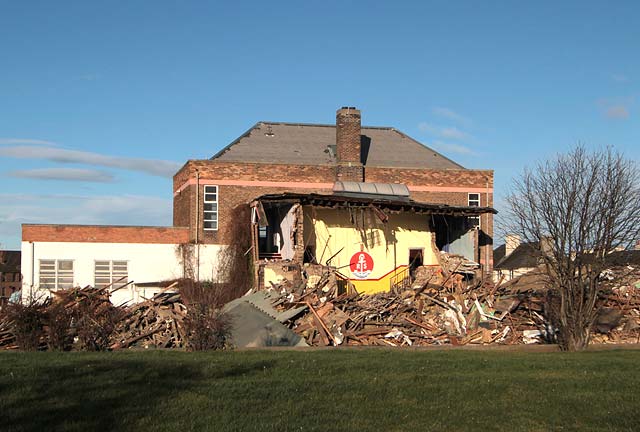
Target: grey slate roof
{"type": "Point", "coordinates": [524, 256]}
{"type": "Point", "coordinates": [298, 143]}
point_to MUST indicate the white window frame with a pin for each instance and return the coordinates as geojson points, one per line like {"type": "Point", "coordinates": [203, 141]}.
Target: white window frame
{"type": "Point", "coordinates": [474, 221]}
{"type": "Point", "coordinates": [210, 208]}
{"type": "Point", "coordinates": [61, 278]}
{"type": "Point", "coordinates": [112, 274]}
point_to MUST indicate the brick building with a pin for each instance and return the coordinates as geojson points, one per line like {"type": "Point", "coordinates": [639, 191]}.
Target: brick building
{"type": "Point", "coordinates": [307, 158]}
{"type": "Point", "coordinates": [10, 275]}
{"type": "Point", "coordinates": [303, 160]}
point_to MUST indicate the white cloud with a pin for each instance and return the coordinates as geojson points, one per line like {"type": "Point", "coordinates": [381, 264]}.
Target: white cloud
{"type": "Point", "coordinates": [66, 174]}
{"type": "Point", "coordinates": [69, 209]}
{"type": "Point", "coordinates": [617, 111]}
{"type": "Point", "coordinates": [155, 167]}
{"type": "Point", "coordinates": [444, 132]}
{"type": "Point", "coordinates": [454, 133]}
{"type": "Point", "coordinates": [616, 108]}
{"type": "Point", "coordinates": [427, 127]}
{"type": "Point", "coordinates": [19, 141]}
{"type": "Point", "coordinates": [452, 148]}
{"type": "Point", "coordinates": [620, 78]}
{"type": "Point", "coordinates": [450, 115]}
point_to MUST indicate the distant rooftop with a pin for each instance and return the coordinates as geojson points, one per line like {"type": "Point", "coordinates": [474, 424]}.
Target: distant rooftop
{"type": "Point", "coordinates": [314, 144]}
{"type": "Point", "coordinates": [10, 261]}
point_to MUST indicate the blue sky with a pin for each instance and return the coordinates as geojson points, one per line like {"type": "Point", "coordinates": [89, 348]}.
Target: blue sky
{"type": "Point", "coordinates": [100, 102]}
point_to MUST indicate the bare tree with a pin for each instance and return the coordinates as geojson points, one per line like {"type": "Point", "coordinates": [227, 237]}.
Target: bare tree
{"type": "Point", "coordinates": [579, 206]}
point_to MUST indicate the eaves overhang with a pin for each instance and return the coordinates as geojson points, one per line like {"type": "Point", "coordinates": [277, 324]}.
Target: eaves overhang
{"type": "Point", "coordinates": [391, 205]}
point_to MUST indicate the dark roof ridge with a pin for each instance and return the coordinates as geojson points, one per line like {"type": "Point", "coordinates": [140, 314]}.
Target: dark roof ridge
{"type": "Point", "coordinates": [319, 125]}
{"type": "Point", "coordinates": [228, 146]}
{"type": "Point", "coordinates": [248, 132]}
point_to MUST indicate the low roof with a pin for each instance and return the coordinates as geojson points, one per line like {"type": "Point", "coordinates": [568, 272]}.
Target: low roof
{"type": "Point", "coordinates": [524, 256]}
{"type": "Point", "coordinates": [394, 205]}
{"type": "Point", "coordinates": [300, 143]}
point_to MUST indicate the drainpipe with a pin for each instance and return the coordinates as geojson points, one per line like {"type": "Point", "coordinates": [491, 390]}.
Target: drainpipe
{"type": "Point", "coordinates": [33, 265]}
{"type": "Point", "coordinates": [197, 225]}
{"type": "Point", "coordinates": [486, 248]}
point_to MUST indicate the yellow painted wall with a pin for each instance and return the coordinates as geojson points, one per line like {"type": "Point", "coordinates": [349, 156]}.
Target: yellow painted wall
{"type": "Point", "coordinates": [388, 244]}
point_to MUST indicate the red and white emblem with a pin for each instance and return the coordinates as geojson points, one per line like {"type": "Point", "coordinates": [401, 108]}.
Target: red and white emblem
{"type": "Point", "coordinates": [361, 265]}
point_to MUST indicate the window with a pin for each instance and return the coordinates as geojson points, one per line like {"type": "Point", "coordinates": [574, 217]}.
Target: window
{"type": "Point", "coordinates": [262, 232]}
{"type": "Point", "coordinates": [56, 274]}
{"type": "Point", "coordinates": [474, 201]}
{"type": "Point", "coordinates": [108, 272]}
{"type": "Point", "coordinates": [210, 218]}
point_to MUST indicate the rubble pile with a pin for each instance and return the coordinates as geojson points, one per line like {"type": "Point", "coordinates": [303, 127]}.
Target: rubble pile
{"type": "Point", "coordinates": [88, 320]}
{"type": "Point", "coordinates": [157, 322]}
{"type": "Point", "coordinates": [441, 307]}
{"type": "Point", "coordinates": [618, 320]}
{"type": "Point", "coordinates": [7, 339]}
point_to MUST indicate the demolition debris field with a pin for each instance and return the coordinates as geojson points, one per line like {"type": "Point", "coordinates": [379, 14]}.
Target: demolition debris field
{"type": "Point", "coordinates": [346, 389]}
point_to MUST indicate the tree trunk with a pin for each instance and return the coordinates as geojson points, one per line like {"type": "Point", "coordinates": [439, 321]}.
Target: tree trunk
{"type": "Point", "coordinates": [574, 339]}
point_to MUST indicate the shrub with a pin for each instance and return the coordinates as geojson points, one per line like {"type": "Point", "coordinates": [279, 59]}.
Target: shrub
{"type": "Point", "coordinates": [27, 324]}
{"type": "Point", "coordinates": [206, 326]}
{"type": "Point", "coordinates": [57, 320]}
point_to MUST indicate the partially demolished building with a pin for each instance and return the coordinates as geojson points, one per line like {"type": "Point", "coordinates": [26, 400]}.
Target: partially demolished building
{"type": "Point", "coordinates": [369, 201]}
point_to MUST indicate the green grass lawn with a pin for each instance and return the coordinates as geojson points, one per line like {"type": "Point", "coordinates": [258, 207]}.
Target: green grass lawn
{"type": "Point", "coordinates": [323, 390]}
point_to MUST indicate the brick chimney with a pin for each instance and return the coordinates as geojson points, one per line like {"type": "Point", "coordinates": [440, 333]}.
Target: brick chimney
{"type": "Point", "coordinates": [511, 243]}
{"type": "Point", "coordinates": [348, 150]}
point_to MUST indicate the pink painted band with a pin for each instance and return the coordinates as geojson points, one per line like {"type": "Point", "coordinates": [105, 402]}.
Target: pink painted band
{"type": "Point", "coordinates": [291, 185]}
{"type": "Point", "coordinates": [309, 185]}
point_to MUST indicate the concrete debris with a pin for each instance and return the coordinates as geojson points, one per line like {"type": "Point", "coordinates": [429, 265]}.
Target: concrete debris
{"type": "Point", "coordinates": [252, 328]}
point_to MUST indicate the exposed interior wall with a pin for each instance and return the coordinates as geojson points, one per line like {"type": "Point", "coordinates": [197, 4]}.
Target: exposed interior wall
{"type": "Point", "coordinates": [145, 263]}
{"type": "Point", "coordinates": [340, 233]}
{"type": "Point", "coordinates": [276, 272]}
{"type": "Point", "coordinates": [240, 183]}
{"type": "Point", "coordinates": [455, 235]}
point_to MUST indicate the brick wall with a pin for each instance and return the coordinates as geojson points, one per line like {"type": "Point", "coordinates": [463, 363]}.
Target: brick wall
{"type": "Point", "coordinates": [274, 172]}
{"type": "Point", "coordinates": [430, 177]}
{"type": "Point", "coordinates": [228, 198]}
{"type": "Point", "coordinates": [347, 172]}
{"type": "Point", "coordinates": [182, 208]}
{"type": "Point", "coordinates": [104, 234]}
{"type": "Point", "coordinates": [263, 179]}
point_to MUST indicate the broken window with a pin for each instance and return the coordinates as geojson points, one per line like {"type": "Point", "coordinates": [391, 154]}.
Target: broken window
{"type": "Point", "coordinates": [108, 272]}
{"type": "Point", "coordinates": [210, 218]}
{"type": "Point", "coordinates": [56, 274]}
{"type": "Point", "coordinates": [474, 201]}
{"type": "Point", "coordinates": [415, 258]}
{"type": "Point", "coordinates": [373, 238]}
